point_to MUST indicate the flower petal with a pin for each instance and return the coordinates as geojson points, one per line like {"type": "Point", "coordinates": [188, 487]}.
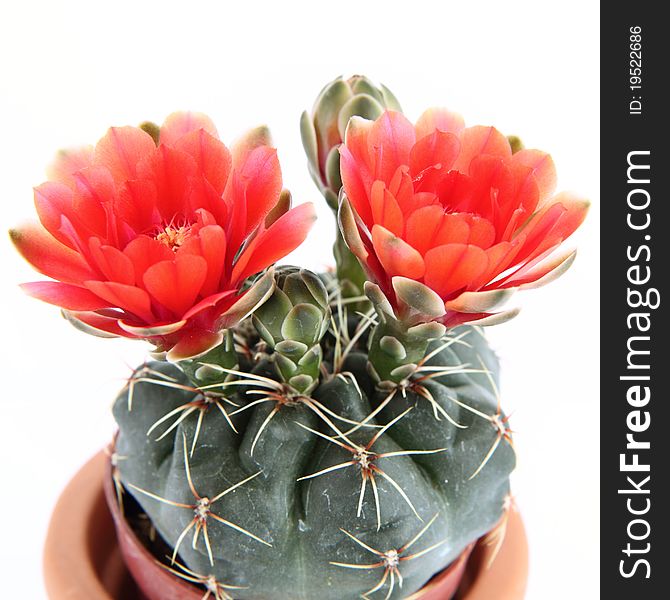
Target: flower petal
{"type": "Point", "coordinates": [144, 252]}
{"type": "Point", "coordinates": [481, 140]}
{"type": "Point", "coordinates": [402, 188]}
{"type": "Point", "coordinates": [577, 209]}
{"type": "Point", "coordinates": [346, 219]}
{"type": "Point", "coordinates": [249, 300]}
{"type": "Point", "coordinates": [236, 224]}
{"type": "Point", "coordinates": [493, 189]}
{"type": "Point", "coordinates": [126, 297]}
{"type": "Point", "coordinates": [545, 272]}
{"type": "Point", "coordinates": [354, 186]}
{"type": "Point", "coordinates": [453, 267]}
{"type": "Point", "coordinates": [525, 202]}
{"type": "Point", "coordinates": [154, 330]}
{"type": "Point", "coordinates": [385, 209]}
{"type": "Point", "coordinates": [429, 226]}
{"type": "Point", "coordinates": [203, 196]}
{"type": "Point", "coordinates": [68, 162]}
{"type": "Point", "coordinates": [212, 158]}
{"type": "Point", "coordinates": [211, 302]}
{"type": "Point", "coordinates": [281, 208]}
{"type": "Point", "coordinates": [389, 144]}
{"type": "Point", "coordinates": [356, 167]}
{"type": "Point", "coordinates": [487, 319]}
{"type": "Point", "coordinates": [52, 201]}
{"type": "Point", "coordinates": [500, 257]}
{"type": "Point", "coordinates": [439, 119]}
{"type": "Point", "coordinates": [210, 243]}
{"type": "Point", "coordinates": [397, 256]}
{"type": "Point", "coordinates": [418, 297]}
{"type": "Point", "coordinates": [479, 302]}
{"type": "Point", "coordinates": [70, 297]}
{"type": "Point", "coordinates": [356, 139]}
{"type": "Point", "coordinates": [94, 195]}
{"type": "Point", "coordinates": [542, 168]}
{"type": "Point", "coordinates": [261, 178]}
{"type": "Point", "coordinates": [552, 224]}
{"type": "Point", "coordinates": [95, 324]}
{"type": "Point", "coordinates": [49, 256]}
{"type": "Point", "coordinates": [482, 232]}
{"type": "Point", "coordinates": [452, 228]}
{"type": "Point", "coordinates": [135, 205]}
{"type": "Point", "coordinates": [282, 237]}
{"type": "Point", "coordinates": [421, 226]}
{"type": "Point", "coordinates": [179, 124]}
{"type": "Point", "coordinates": [121, 149]}
{"type": "Point", "coordinates": [113, 263]}
{"type": "Point", "coordinates": [192, 343]}
{"type": "Point", "coordinates": [170, 171]}
{"type": "Point", "coordinates": [247, 143]}
{"type": "Point", "coordinates": [438, 149]}
{"type": "Point", "coordinates": [176, 283]}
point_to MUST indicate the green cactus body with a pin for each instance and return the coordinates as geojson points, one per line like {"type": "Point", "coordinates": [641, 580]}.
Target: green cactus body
{"type": "Point", "coordinates": [289, 495]}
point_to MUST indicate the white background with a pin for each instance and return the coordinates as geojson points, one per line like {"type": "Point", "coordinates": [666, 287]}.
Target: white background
{"type": "Point", "coordinates": [68, 70]}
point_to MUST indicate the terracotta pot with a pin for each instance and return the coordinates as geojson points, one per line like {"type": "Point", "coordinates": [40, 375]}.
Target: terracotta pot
{"type": "Point", "coordinates": [82, 559]}
{"type": "Point", "coordinates": [83, 555]}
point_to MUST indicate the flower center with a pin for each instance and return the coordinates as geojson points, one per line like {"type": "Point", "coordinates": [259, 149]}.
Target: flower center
{"type": "Point", "coordinates": [173, 236]}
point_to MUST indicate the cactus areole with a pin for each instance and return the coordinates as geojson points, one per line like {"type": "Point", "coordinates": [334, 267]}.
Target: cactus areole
{"type": "Point", "coordinates": [300, 435]}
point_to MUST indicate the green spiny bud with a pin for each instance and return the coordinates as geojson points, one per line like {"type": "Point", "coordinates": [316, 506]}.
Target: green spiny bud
{"type": "Point", "coordinates": [322, 134]}
{"type": "Point", "coordinates": [323, 130]}
{"type": "Point", "coordinates": [396, 346]}
{"type": "Point", "coordinates": [211, 368]}
{"type": "Point", "coordinates": [292, 322]}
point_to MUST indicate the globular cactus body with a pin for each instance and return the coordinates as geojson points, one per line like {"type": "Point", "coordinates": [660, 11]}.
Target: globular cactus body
{"type": "Point", "coordinates": [302, 496]}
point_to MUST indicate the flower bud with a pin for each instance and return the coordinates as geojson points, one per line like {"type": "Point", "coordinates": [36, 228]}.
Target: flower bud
{"type": "Point", "coordinates": [292, 322]}
{"type": "Point", "coordinates": [323, 131]}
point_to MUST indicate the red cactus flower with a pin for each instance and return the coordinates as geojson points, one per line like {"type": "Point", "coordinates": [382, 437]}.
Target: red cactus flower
{"type": "Point", "coordinates": [155, 241]}
{"type": "Point", "coordinates": [450, 214]}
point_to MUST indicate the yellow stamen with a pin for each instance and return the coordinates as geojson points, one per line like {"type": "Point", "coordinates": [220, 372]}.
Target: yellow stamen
{"type": "Point", "coordinates": [173, 237]}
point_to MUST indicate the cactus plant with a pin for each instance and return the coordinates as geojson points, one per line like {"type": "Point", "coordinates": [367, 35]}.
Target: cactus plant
{"type": "Point", "coordinates": [288, 440]}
